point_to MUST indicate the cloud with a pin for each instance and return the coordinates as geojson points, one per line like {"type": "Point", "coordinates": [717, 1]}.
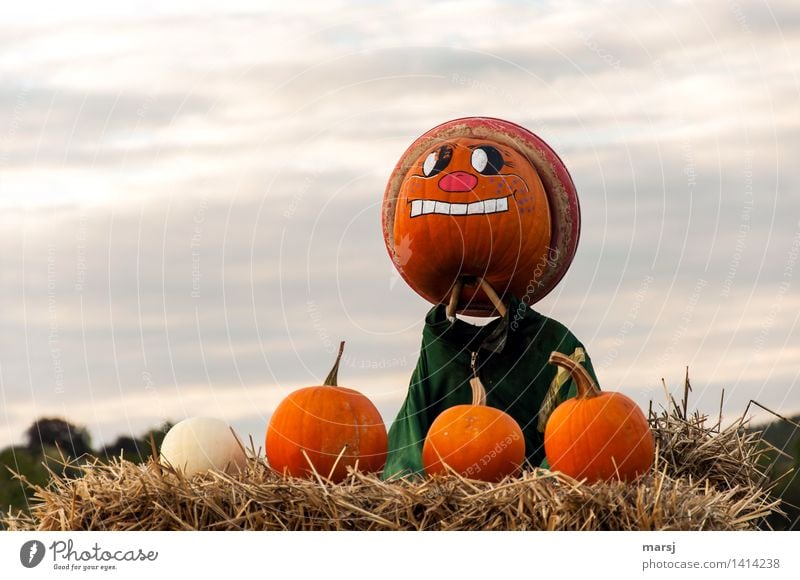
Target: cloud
{"type": "Point", "coordinates": [190, 201]}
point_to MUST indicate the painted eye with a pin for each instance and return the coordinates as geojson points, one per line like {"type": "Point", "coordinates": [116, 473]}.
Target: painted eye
{"type": "Point", "coordinates": [487, 160]}
{"type": "Point", "coordinates": [437, 160]}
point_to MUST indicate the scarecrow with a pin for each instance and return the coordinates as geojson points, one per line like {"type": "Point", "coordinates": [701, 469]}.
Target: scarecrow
{"type": "Point", "coordinates": [481, 218]}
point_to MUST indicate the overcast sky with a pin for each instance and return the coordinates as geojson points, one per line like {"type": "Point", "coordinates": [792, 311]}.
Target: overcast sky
{"type": "Point", "coordinates": [190, 197]}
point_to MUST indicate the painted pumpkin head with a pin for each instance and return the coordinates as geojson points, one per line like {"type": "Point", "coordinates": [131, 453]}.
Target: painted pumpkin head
{"type": "Point", "coordinates": [480, 198]}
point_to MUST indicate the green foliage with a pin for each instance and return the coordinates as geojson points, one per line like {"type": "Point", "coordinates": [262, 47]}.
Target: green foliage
{"type": "Point", "coordinates": [137, 449]}
{"type": "Point", "coordinates": [50, 438]}
{"type": "Point", "coordinates": [782, 465]}
{"type": "Point", "coordinates": [72, 440]}
{"type": "Point", "coordinates": [14, 494]}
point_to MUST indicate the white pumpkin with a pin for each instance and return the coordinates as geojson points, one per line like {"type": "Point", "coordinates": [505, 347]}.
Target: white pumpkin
{"type": "Point", "coordinates": [198, 444]}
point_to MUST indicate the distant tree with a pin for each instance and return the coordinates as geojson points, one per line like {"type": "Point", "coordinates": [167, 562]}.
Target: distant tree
{"type": "Point", "coordinates": [137, 449]}
{"type": "Point", "coordinates": [130, 448]}
{"type": "Point", "coordinates": [42, 437]}
{"type": "Point", "coordinates": [158, 434]}
{"type": "Point", "coordinates": [14, 493]}
{"type": "Point", "coordinates": [54, 432]}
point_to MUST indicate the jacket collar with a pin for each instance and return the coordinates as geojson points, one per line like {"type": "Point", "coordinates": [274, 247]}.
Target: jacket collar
{"type": "Point", "coordinates": [492, 336]}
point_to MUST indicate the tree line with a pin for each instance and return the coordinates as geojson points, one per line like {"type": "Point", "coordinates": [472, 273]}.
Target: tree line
{"type": "Point", "coordinates": [48, 440]}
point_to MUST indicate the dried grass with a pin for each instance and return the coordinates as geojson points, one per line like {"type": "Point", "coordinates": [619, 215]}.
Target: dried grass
{"type": "Point", "coordinates": [705, 478]}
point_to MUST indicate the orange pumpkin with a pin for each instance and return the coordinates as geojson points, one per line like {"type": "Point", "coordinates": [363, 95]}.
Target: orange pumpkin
{"type": "Point", "coordinates": [597, 435]}
{"type": "Point", "coordinates": [329, 427]}
{"type": "Point", "coordinates": [477, 441]}
{"type": "Point", "coordinates": [469, 201]}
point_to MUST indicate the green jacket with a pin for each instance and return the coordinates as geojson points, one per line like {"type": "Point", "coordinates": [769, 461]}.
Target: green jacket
{"type": "Point", "coordinates": [512, 364]}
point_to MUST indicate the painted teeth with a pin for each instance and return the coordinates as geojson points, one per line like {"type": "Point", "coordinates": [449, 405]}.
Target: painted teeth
{"type": "Point", "coordinates": [427, 206]}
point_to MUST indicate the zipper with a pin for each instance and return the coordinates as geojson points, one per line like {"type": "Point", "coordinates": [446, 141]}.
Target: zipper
{"type": "Point", "coordinates": [478, 390]}
{"type": "Point", "coordinates": [474, 364]}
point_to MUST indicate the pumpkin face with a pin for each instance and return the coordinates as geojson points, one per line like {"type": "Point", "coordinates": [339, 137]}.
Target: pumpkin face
{"type": "Point", "coordinates": [470, 200]}
{"type": "Point", "coordinates": [477, 441]}
{"type": "Point", "coordinates": [471, 208]}
{"type": "Point", "coordinates": [597, 436]}
{"type": "Point", "coordinates": [329, 427]}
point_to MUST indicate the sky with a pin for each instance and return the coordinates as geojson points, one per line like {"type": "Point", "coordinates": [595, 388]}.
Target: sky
{"type": "Point", "coordinates": [190, 196]}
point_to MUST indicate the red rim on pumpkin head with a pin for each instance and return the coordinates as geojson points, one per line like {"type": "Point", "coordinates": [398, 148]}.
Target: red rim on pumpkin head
{"type": "Point", "coordinates": [481, 198]}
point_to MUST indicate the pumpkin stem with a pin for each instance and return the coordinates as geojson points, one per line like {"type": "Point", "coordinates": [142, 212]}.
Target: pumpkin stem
{"type": "Point", "coordinates": [333, 376]}
{"type": "Point", "coordinates": [586, 385]}
{"type": "Point", "coordinates": [478, 392]}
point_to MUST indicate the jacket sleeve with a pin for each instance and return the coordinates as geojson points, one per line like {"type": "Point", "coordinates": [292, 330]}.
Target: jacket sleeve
{"type": "Point", "coordinates": [408, 431]}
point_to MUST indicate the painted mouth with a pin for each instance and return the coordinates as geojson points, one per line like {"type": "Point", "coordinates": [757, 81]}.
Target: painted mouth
{"type": "Point", "coordinates": [427, 206]}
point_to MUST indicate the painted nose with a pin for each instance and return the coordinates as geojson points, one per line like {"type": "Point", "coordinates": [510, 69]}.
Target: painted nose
{"type": "Point", "coordinates": [458, 181]}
